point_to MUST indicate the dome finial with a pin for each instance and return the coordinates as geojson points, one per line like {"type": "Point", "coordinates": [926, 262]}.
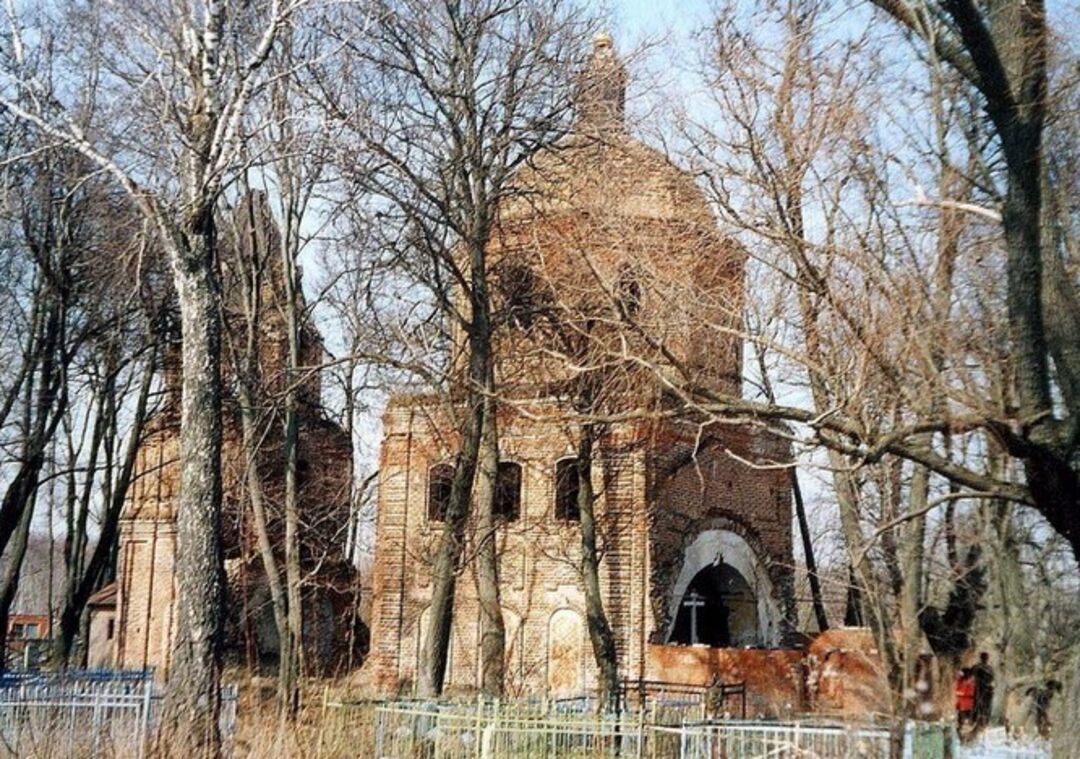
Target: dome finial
{"type": "Point", "coordinates": [601, 95]}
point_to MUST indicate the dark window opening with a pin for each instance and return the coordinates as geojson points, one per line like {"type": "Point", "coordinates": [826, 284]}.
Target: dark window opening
{"type": "Point", "coordinates": [440, 479]}
{"type": "Point", "coordinates": [523, 298]}
{"type": "Point", "coordinates": [508, 491]}
{"type": "Point", "coordinates": [566, 490]}
{"type": "Point", "coordinates": [110, 629]}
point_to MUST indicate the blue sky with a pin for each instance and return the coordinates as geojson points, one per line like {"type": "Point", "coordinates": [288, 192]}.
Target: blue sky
{"type": "Point", "coordinates": [649, 18]}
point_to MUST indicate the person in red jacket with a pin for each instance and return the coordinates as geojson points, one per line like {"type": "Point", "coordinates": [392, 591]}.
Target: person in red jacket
{"type": "Point", "coordinates": [965, 700]}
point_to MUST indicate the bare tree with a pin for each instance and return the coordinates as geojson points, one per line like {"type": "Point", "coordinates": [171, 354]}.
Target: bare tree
{"type": "Point", "coordinates": [80, 314]}
{"type": "Point", "coordinates": [206, 62]}
{"type": "Point", "coordinates": [463, 94]}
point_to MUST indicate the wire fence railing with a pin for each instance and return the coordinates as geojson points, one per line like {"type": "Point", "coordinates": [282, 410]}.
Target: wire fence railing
{"type": "Point", "coordinates": [542, 729]}
{"type": "Point", "coordinates": [86, 713]}
{"type": "Point", "coordinates": [750, 740]}
{"type": "Point", "coordinates": [446, 731]}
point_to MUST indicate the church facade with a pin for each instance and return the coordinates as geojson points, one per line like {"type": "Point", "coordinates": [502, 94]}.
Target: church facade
{"type": "Point", "coordinates": [610, 246]}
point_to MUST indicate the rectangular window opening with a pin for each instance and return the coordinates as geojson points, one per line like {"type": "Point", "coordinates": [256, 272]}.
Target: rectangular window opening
{"type": "Point", "coordinates": [440, 481]}
{"type": "Point", "coordinates": [508, 491]}
{"type": "Point", "coordinates": [566, 491]}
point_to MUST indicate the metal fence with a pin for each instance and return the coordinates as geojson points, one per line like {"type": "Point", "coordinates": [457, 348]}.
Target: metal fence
{"type": "Point", "coordinates": [75, 714]}
{"type": "Point", "coordinates": [453, 731]}
{"type": "Point", "coordinates": [663, 699]}
{"type": "Point", "coordinates": [570, 728]}
{"type": "Point", "coordinates": [542, 730]}
{"type": "Point", "coordinates": [750, 740]}
{"type": "Point", "coordinates": [86, 713]}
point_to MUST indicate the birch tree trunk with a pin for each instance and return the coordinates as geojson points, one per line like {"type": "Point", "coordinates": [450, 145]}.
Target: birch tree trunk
{"type": "Point", "coordinates": [190, 723]}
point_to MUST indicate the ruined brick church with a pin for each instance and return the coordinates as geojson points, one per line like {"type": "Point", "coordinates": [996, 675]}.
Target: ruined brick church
{"type": "Point", "coordinates": [134, 620]}
{"type": "Point", "coordinates": [694, 516]}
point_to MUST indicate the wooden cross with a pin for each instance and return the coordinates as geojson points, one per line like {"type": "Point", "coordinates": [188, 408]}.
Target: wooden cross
{"type": "Point", "coordinates": [693, 601]}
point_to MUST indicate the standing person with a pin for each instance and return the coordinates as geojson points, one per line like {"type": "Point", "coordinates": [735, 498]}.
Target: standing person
{"type": "Point", "coordinates": [965, 702]}
{"type": "Point", "coordinates": [984, 690]}
{"type": "Point", "coordinates": [1040, 704]}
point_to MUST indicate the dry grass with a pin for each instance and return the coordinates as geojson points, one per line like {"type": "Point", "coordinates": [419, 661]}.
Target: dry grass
{"type": "Point", "coordinates": [323, 732]}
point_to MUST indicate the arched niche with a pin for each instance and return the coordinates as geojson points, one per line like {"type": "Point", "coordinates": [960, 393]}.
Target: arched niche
{"type": "Point", "coordinates": [565, 653]}
{"type": "Point", "coordinates": [720, 564]}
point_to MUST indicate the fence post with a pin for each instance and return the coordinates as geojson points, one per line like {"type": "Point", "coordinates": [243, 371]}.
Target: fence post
{"type": "Point", "coordinates": [95, 723]}
{"type": "Point", "coordinates": [481, 733]}
{"type": "Point", "coordinates": [640, 734]}
{"type": "Point", "coordinates": [144, 728]}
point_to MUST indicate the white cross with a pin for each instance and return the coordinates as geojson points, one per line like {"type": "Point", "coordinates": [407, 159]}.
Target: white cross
{"type": "Point", "coordinates": [693, 601]}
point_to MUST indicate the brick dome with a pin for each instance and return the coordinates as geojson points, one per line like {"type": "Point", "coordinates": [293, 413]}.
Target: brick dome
{"type": "Point", "coordinates": [611, 174]}
{"type": "Point", "coordinates": [601, 213]}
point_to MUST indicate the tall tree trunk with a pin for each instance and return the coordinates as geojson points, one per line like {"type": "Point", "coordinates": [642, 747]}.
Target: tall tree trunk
{"type": "Point", "coordinates": [817, 600]}
{"type": "Point", "coordinates": [9, 580]}
{"type": "Point", "coordinates": [256, 499]}
{"type": "Point", "coordinates": [193, 699]}
{"type": "Point", "coordinates": [913, 539]}
{"type": "Point", "coordinates": [255, 249]}
{"type": "Point", "coordinates": [289, 249]}
{"type": "Point", "coordinates": [808, 551]}
{"type": "Point", "coordinates": [77, 512]}
{"type": "Point", "coordinates": [436, 644]}
{"type": "Point", "coordinates": [493, 631]}
{"type": "Point", "coordinates": [600, 634]}
{"type": "Point", "coordinates": [951, 225]}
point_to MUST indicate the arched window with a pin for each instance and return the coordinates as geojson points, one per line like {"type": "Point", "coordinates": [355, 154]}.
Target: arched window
{"type": "Point", "coordinates": [566, 490]}
{"type": "Point", "coordinates": [508, 491]}
{"type": "Point", "coordinates": [440, 478]}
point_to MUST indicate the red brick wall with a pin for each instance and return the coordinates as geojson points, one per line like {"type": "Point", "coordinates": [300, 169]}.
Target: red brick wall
{"type": "Point", "coordinates": [711, 489]}
{"type": "Point", "coordinates": [845, 673]}
{"type": "Point", "coordinates": [538, 555]}
{"type": "Point", "coordinates": [774, 679]}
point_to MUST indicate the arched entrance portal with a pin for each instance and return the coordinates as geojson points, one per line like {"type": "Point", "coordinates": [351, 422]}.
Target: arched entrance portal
{"type": "Point", "coordinates": [726, 584]}
{"type": "Point", "coordinates": [718, 609]}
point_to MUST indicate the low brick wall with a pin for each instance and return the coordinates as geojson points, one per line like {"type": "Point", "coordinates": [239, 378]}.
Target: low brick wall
{"type": "Point", "coordinates": [839, 672]}
{"type": "Point", "coordinates": [845, 675]}
{"type": "Point", "coordinates": [774, 680]}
